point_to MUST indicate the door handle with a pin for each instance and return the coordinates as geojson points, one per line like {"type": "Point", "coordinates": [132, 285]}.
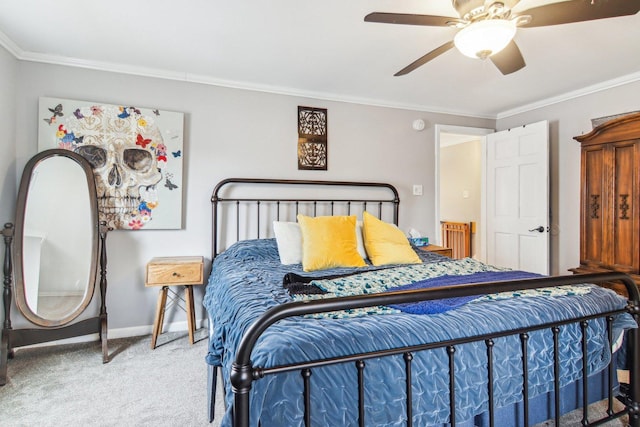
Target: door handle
{"type": "Point", "coordinates": [539, 229]}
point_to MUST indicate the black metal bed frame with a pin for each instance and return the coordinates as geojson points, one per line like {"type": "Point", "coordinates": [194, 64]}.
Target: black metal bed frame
{"type": "Point", "coordinates": [218, 201]}
{"type": "Point", "coordinates": [243, 373]}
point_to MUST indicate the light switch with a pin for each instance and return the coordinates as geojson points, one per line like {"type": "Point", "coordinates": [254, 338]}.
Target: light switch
{"type": "Point", "coordinates": [417, 190]}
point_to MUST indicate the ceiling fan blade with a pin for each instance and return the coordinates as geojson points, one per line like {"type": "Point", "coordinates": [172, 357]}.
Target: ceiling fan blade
{"type": "Point", "coordinates": [579, 10]}
{"type": "Point", "coordinates": [508, 60]}
{"type": "Point", "coordinates": [409, 19]}
{"type": "Point", "coordinates": [426, 58]}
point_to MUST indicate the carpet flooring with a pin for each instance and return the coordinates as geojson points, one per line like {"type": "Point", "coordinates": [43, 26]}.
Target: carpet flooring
{"type": "Point", "coordinates": [67, 385]}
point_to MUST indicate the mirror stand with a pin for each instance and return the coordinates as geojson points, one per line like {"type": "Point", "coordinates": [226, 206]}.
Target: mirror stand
{"type": "Point", "coordinates": [13, 338]}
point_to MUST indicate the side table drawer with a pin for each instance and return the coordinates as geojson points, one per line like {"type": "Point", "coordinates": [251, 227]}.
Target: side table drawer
{"type": "Point", "coordinates": [174, 271]}
{"type": "Point", "coordinates": [448, 252]}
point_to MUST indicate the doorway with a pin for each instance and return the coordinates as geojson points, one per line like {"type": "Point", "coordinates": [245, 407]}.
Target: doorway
{"type": "Point", "coordinates": [513, 229]}
{"type": "Point", "coordinates": [460, 180]}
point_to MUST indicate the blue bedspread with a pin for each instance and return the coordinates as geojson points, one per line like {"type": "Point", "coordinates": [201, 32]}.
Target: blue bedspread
{"type": "Point", "coordinates": [246, 280]}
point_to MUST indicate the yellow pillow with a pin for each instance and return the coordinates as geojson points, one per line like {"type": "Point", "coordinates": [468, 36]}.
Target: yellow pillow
{"type": "Point", "coordinates": [329, 241]}
{"type": "Point", "coordinates": [385, 243]}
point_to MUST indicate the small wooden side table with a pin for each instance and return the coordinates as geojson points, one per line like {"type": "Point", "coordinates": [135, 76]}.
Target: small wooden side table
{"type": "Point", "coordinates": [438, 249]}
{"type": "Point", "coordinates": [174, 271]}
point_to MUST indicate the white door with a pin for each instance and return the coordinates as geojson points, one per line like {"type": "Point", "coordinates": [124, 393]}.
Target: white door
{"type": "Point", "coordinates": [517, 198]}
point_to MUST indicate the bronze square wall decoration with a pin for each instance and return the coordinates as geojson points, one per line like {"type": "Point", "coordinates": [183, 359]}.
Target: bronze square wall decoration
{"type": "Point", "coordinates": [312, 138]}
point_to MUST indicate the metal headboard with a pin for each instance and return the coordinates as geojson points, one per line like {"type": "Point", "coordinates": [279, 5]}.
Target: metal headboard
{"type": "Point", "coordinates": [253, 209]}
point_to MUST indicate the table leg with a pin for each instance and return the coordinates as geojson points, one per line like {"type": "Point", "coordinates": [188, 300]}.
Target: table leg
{"type": "Point", "coordinates": [157, 326]}
{"type": "Point", "coordinates": [188, 293]}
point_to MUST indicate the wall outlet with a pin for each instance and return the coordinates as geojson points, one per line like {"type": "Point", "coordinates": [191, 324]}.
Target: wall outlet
{"type": "Point", "coordinates": [417, 190]}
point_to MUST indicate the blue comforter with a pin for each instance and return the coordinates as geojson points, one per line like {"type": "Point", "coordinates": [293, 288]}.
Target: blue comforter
{"type": "Point", "coordinates": [246, 280]}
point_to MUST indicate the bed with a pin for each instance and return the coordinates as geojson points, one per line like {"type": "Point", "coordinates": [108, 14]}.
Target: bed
{"type": "Point", "coordinates": [433, 342]}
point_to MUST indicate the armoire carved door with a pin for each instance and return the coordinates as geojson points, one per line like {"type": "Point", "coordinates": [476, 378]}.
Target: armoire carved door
{"type": "Point", "coordinates": [610, 197]}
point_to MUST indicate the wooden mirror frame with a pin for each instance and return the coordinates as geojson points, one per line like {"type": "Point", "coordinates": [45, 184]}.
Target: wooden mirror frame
{"type": "Point", "coordinates": [51, 329]}
{"type": "Point", "coordinates": [19, 244]}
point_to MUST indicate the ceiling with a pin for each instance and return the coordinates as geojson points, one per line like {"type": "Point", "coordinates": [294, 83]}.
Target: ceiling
{"type": "Point", "coordinates": [322, 49]}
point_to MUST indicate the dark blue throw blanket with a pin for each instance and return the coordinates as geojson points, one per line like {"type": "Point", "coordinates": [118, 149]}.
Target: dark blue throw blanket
{"type": "Point", "coordinates": [446, 304]}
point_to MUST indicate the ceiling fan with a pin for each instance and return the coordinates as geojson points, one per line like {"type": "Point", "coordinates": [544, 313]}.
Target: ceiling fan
{"type": "Point", "coordinates": [487, 27]}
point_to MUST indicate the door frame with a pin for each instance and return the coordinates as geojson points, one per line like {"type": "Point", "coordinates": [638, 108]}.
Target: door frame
{"type": "Point", "coordinates": [471, 131]}
{"type": "Point", "coordinates": [522, 226]}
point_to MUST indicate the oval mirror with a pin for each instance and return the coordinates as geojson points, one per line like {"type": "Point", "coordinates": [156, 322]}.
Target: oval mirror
{"type": "Point", "coordinates": [56, 240]}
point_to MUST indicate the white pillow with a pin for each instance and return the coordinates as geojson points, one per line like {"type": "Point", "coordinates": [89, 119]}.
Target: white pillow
{"type": "Point", "coordinates": [289, 241]}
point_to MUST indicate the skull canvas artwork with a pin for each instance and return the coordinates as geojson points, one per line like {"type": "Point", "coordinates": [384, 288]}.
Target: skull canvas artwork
{"type": "Point", "coordinates": [136, 158]}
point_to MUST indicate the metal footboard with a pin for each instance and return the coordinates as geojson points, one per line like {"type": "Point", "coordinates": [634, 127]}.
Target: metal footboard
{"type": "Point", "coordinates": [243, 373]}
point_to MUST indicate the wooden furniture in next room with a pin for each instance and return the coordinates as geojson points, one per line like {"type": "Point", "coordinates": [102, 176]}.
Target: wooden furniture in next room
{"type": "Point", "coordinates": [174, 271]}
{"type": "Point", "coordinates": [610, 197]}
{"type": "Point", "coordinates": [457, 236]}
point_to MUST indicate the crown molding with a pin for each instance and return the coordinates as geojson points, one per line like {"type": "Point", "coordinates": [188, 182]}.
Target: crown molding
{"type": "Point", "coordinates": [22, 55]}
{"type": "Point", "coordinates": [11, 47]}
{"type": "Point", "coordinates": [233, 84]}
{"type": "Point", "coordinates": [609, 84]}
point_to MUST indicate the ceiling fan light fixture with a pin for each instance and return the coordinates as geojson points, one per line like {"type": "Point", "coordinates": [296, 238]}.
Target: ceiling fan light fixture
{"type": "Point", "coordinates": [485, 38]}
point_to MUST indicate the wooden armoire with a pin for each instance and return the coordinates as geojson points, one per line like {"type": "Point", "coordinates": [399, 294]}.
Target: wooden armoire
{"type": "Point", "coordinates": [610, 198]}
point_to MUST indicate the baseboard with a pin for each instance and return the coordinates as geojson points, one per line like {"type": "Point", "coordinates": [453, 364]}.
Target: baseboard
{"type": "Point", "coordinates": [133, 331]}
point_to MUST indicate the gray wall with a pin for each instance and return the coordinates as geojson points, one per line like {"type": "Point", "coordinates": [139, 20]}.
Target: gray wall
{"type": "Point", "coordinates": [232, 132]}
{"type": "Point", "coordinates": [566, 120]}
{"type": "Point", "coordinates": [8, 76]}
{"type": "Point", "coordinates": [8, 111]}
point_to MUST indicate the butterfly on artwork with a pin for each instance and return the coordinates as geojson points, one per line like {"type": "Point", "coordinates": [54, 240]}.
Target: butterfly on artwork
{"type": "Point", "coordinates": [57, 110]}
{"type": "Point", "coordinates": [156, 112]}
{"type": "Point", "coordinates": [170, 185]}
{"type": "Point", "coordinates": [142, 141]}
{"type": "Point", "coordinates": [78, 114]}
{"type": "Point", "coordinates": [123, 113]}
{"type": "Point", "coordinates": [177, 153]}
{"type": "Point", "coordinates": [68, 137]}
{"type": "Point", "coordinates": [71, 137]}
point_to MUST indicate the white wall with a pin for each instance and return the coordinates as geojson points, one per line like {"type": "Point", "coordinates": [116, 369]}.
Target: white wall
{"type": "Point", "coordinates": [566, 120]}
{"type": "Point", "coordinates": [231, 132]}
